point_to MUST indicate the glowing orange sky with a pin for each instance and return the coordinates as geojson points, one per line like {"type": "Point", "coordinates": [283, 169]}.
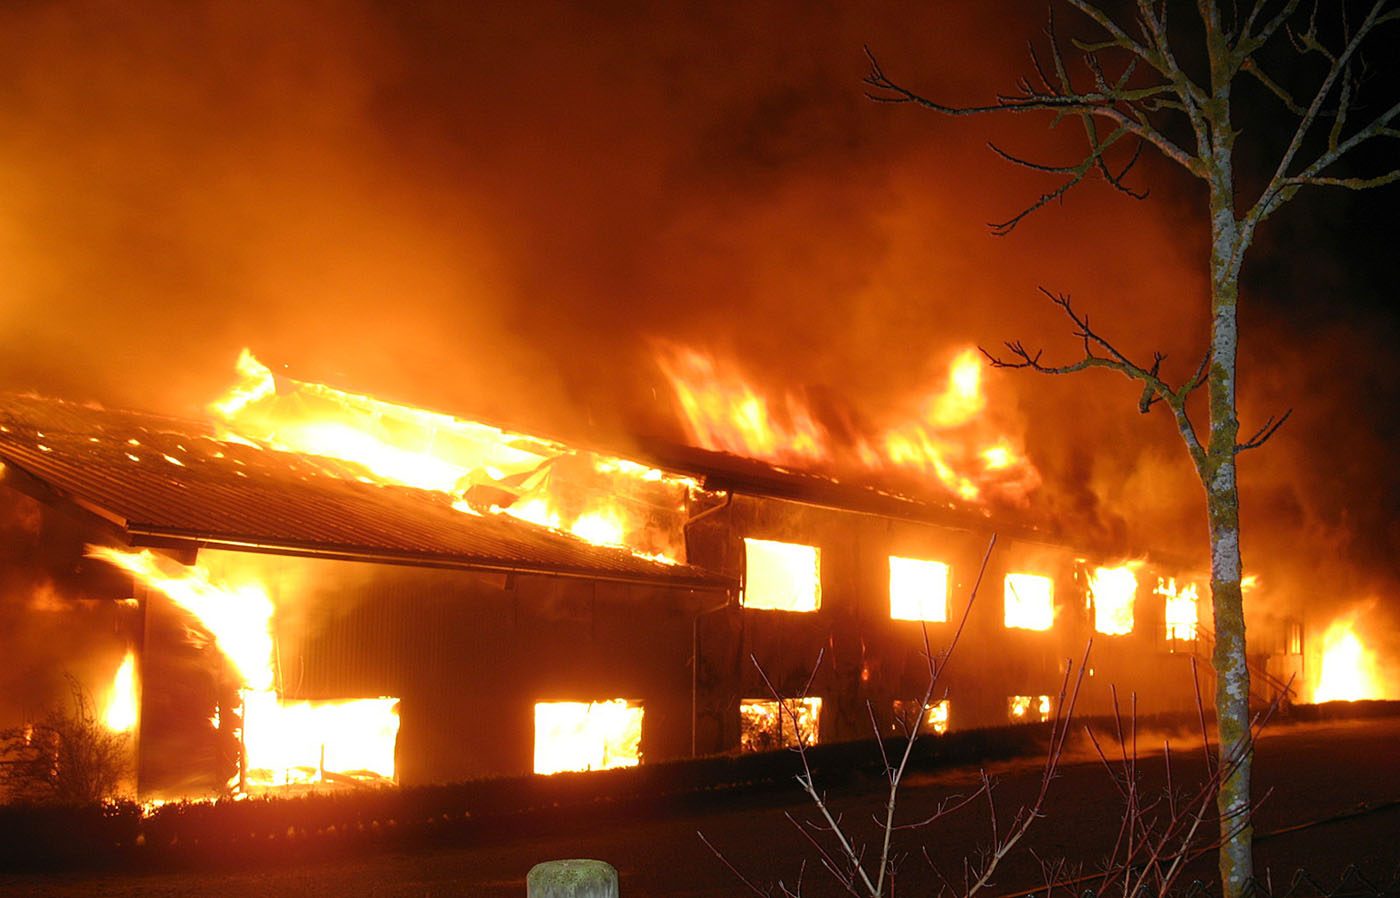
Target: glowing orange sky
{"type": "Point", "coordinates": [495, 210]}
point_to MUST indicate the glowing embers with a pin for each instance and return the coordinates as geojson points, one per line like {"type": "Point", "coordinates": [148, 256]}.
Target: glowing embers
{"type": "Point", "coordinates": [1112, 590]}
{"type": "Point", "coordinates": [1030, 601]}
{"type": "Point", "coordinates": [907, 713]}
{"type": "Point", "coordinates": [781, 576]}
{"type": "Point", "coordinates": [1028, 708]}
{"type": "Point", "coordinates": [1349, 669]}
{"type": "Point", "coordinates": [918, 589]}
{"type": "Point", "coordinates": [768, 725]}
{"type": "Point", "coordinates": [587, 735]}
{"type": "Point", "coordinates": [1180, 610]}
{"type": "Point", "coordinates": [123, 705]}
{"type": "Point", "coordinates": [283, 743]}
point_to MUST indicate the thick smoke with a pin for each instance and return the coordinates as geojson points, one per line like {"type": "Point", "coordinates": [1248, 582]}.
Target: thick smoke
{"type": "Point", "coordinates": [498, 209]}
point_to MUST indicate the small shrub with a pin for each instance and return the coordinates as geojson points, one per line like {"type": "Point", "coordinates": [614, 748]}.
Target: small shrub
{"type": "Point", "coordinates": [67, 757]}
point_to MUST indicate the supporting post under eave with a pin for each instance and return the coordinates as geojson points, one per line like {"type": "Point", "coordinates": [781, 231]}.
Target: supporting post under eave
{"type": "Point", "coordinates": [575, 878]}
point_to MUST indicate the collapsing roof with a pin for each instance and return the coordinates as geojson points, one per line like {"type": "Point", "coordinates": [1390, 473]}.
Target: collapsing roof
{"type": "Point", "coordinates": [172, 482]}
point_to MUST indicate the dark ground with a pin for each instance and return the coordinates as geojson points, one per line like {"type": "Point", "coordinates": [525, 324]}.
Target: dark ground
{"type": "Point", "coordinates": [1313, 773]}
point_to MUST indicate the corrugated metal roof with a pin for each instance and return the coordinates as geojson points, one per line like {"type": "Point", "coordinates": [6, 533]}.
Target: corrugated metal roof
{"type": "Point", "coordinates": [169, 478]}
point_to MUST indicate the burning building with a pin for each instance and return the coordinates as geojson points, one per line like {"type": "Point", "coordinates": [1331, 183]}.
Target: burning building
{"type": "Point", "coordinates": [312, 587]}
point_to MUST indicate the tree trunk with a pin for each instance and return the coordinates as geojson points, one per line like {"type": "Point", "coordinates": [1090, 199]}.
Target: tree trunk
{"type": "Point", "coordinates": [1231, 686]}
{"type": "Point", "coordinates": [1236, 751]}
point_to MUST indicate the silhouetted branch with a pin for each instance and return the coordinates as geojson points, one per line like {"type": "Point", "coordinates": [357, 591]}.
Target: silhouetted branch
{"type": "Point", "coordinates": [1099, 352]}
{"type": "Point", "coordinates": [1261, 436]}
{"type": "Point", "coordinates": [1282, 185]}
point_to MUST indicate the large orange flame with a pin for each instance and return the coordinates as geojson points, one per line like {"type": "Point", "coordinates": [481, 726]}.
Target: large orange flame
{"type": "Point", "coordinates": [1029, 601]}
{"type": "Point", "coordinates": [1180, 608]}
{"type": "Point", "coordinates": [283, 742]}
{"type": "Point", "coordinates": [598, 498]}
{"type": "Point", "coordinates": [587, 735]}
{"type": "Point", "coordinates": [949, 439]}
{"type": "Point", "coordinates": [123, 706]}
{"type": "Point", "coordinates": [1349, 670]}
{"type": "Point", "coordinates": [1114, 590]}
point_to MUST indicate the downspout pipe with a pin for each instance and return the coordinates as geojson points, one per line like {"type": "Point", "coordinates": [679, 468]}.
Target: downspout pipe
{"type": "Point", "coordinates": [695, 630]}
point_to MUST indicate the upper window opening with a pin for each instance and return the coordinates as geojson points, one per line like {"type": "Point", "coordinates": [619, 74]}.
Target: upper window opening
{"type": "Point", "coordinates": [918, 589]}
{"type": "Point", "coordinates": [782, 576]}
{"type": "Point", "coordinates": [1030, 601]}
{"type": "Point", "coordinates": [1113, 590]}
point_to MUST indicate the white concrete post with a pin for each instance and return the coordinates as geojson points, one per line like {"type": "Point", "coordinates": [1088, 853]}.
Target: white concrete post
{"type": "Point", "coordinates": [576, 878]}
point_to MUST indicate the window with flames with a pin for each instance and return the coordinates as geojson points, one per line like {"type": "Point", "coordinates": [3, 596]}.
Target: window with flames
{"type": "Point", "coordinates": [1180, 610]}
{"type": "Point", "coordinates": [918, 589]}
{"type": "Point", "coordinates": [1112, 591]}
{"type": "Point", "coordinates": [1030, 601]}
{"type": "Point", "coordinates": [768, 725]}
{"type": "Point", "coordinates": [587, 735]}
{"type": "Point", "coordinates": [781, 576]}
{"type": "Point", "coordinates": [907, 715]}
{"type": "Point", "coordinates": [1028, 708]}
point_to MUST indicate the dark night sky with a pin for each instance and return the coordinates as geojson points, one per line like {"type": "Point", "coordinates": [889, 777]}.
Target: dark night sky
{"type": "Point", "coordinates": [497, 209]}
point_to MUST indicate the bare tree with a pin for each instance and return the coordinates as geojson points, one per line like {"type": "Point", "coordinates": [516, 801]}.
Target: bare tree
{"type": "Point", "coordinates": [1164, 77]}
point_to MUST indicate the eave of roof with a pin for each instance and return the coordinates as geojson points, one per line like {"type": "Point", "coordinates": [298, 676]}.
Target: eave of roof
{"type": "Point", "coordinates": [168, 481]}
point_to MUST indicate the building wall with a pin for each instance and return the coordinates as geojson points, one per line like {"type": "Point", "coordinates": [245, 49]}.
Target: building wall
{"type": "Point", "coordinates": [856, 658]}
{"type": "Point", "coordinates": [468, 655]}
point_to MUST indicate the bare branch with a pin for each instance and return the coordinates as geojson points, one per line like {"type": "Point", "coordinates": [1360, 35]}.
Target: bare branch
{"type": "Point", "coordinates": [732, 869]}
{"type": "Point", "coordinates": [1281, 185]}
{"type": "Point", "coordinates": [1350, 183]}
{"type": "Point", "coordinates": [1118, 38]}
{"type": "Point", "coordinates": [1249, 43]}
{"type": "Point", "coordinates": [1100, 353]}
{"type": "Point", "coordinates": [1261, 436]}
{"type": "Point", "coordinates": [1251, 67]}
{"type": "Point", "coordinates": [1099, 104]}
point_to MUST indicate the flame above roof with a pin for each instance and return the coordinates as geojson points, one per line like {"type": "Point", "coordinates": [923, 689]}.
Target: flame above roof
{"type": "Point", "coordinates": [172, 482]}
